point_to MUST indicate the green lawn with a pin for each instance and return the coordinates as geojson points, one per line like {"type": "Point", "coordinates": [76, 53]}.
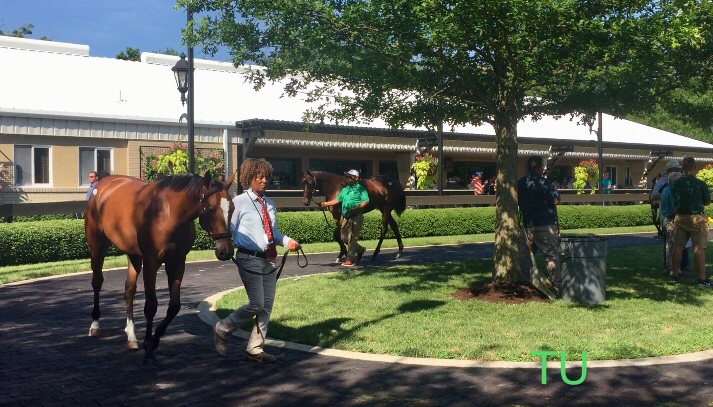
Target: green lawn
{"type": "Point", "coordinates": [409, 311]}
{"type": "Point", "coordinates": [9, 274]}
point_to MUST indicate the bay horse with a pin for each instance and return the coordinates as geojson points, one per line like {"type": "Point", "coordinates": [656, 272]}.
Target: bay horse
{"type": "Point", "coordinates": [154, 224]}
{"type": "Point", "coordinates": [385, 194]}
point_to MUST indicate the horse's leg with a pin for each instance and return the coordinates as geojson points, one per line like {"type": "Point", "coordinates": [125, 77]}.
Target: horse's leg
{"type": "Point", "coordinates": [342, 247]}
{"type": "Point", "coordinates": [385, 215]}
{"type": "Point", "coordinates": [135, 263]}
{"type": "Point", "coordinates": [175, 268]}
{"type": "Point", "coordinates": [150, 305]}
{"type": "Point", "coordinates": [98, 245]}
{"type": "Point", "coordinates": [395, 227]}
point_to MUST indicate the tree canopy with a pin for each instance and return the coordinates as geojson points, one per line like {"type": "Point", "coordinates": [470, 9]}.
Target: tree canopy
{"type": "Point", "coordinates": [134, 54]}
{"type": "Point", "coordinates": [685, 111]}
{"type": "Point", "coordinates": [22, 32]}
{"type": "Point", "coordinates": [129, 54]}
{"type": "Point", "coordinates": [428, 62]}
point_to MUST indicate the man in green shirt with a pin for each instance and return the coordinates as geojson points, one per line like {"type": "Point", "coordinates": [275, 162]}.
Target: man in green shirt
{"type": "Point", "coordinates": [354, 199]}
{"type": "Point", "coordinates": [690, 196]}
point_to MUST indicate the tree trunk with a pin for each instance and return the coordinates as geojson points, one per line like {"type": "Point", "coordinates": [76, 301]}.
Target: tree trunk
{"type": "Point", "coordinates": [507, 231]}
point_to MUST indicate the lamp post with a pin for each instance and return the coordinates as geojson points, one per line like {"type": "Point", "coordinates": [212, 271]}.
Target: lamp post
{"type": "Point", "coordinates": [183, 71]}
{"type": "Point", "coordinates": [600, 148]}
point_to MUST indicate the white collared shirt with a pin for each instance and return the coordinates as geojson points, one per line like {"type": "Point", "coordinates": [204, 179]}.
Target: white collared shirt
{"type": "Point", "coordinates": [246, 223]}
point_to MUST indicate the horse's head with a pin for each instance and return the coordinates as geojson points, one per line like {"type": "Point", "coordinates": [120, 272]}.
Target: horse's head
{"type": "Point", "coordinates": [216, 209]}
{"type": "Point", "coordinates": [309, 185]}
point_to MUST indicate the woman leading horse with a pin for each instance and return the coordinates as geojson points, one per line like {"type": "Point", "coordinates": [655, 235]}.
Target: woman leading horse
{"type": "Point", "coordinates": [385, 194]}
{"type": "Point", "coordinates": [153, 223]}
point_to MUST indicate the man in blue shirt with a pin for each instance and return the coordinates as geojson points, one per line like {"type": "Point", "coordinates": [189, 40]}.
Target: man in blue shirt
{"type": "Point", "coordinates": [537, 199]}
{"type": "Point", "coordinates": [93, 179]}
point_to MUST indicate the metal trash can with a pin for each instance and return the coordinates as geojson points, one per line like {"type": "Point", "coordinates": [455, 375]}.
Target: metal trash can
{"type": "Point", "coordinates": [583, 264]}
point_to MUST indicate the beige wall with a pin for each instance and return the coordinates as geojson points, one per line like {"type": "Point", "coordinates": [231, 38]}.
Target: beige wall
{"type": "Point", "coordinates": [65, 158]}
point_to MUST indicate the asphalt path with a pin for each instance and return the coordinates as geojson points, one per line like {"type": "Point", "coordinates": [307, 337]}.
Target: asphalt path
{"type": "Point", "coordinates": [47, 359]}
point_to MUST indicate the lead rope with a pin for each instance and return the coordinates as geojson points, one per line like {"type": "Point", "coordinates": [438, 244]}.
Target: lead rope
{"type": "Point", "coordinates": [284, 260]}
{"type": "Point", "coordinates": [324, 212]}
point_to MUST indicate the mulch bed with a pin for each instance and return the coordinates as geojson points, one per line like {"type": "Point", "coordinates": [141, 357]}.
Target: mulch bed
{"type": "Point", "coordinates": [501, 293]}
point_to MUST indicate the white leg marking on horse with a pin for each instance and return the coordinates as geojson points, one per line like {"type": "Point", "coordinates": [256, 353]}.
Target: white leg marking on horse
{"type": "Point", "coordinates": [225, 206]}
{"type": "Point", "coordinates": [94, 328]}
{"type": "Point", "coordinates": [130, 334]}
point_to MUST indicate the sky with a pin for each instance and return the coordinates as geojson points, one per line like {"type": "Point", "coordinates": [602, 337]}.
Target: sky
{"type": "Point", "coordinates": [107, 26]}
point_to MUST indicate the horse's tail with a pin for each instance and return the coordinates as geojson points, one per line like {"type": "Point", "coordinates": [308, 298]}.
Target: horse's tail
{"type": "Point", "coordinates": [400, 203]}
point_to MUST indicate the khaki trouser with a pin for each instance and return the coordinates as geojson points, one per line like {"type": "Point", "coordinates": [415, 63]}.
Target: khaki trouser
{"type": "Point", "coordinates": [545, 239]}
{"type": "Point", "coordinates": [349, 232]}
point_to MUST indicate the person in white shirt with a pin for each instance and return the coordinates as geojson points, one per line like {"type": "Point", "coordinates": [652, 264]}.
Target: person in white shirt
{"type": "Point", "coordinates": [255, 233]}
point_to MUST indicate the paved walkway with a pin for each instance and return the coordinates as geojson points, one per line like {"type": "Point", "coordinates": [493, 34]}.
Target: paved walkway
{"type": "Point", "coordinates": [46, 357]}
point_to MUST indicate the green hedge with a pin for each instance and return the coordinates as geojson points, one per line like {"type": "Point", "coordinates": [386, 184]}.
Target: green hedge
{"type": "Point", "coordinates": [35, 218]}
{"type": "Point", "coordinates": [54, 240]}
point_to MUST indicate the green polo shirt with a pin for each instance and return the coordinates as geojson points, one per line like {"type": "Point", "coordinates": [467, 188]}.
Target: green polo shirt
{"type": "Point", "coordinates": [690, 195]}
{"type": "Point", "coordinates": [351, 196]}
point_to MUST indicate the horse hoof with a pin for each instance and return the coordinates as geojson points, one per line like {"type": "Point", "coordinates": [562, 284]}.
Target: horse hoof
{"type": "Point", "coordinates": [94, 331]}
{"type": "Point", "coordinates": [150, 362]}
{"type": "Point", "coordinates": [132, 345]}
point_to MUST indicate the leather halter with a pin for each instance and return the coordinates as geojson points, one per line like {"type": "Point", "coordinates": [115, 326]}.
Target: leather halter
{"type": "Point", "coordinates": [214, 236]}
{"type": "Point", "coordinates": [310, 188]}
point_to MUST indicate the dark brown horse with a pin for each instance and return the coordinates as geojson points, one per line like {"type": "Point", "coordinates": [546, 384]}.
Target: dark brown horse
{"type": "Point", "coordinates": [154, 224]}
{"type": "Point", "coordinates": [385, 194]}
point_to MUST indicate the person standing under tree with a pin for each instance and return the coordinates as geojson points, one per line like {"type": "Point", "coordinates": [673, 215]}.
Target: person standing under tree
{"type": "Point", "coordinates": [537, 199]}
{"type": "Point", "coordinates": [690, 196]}
{"type": "Point", "coordinates": [354, 199]}
{"type": "Point", "coordinates": [655, 195]}
{"type": "Point", "coordinates": [667, 211]}
{"type": "Point", "coordinates": [253, 225]}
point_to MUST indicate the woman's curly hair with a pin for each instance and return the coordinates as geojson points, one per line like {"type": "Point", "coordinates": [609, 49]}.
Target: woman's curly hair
{"type": "Point", "coordinates": [252, 168]}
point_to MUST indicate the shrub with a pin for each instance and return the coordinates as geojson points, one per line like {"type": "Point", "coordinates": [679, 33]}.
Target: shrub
{"type": "Point", "coordinates": [706, 174]}
{"type": "Point", "coordinates": [54, 240]}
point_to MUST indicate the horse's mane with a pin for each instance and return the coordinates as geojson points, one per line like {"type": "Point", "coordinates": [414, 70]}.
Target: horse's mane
{"type": "Point", "coordinates": [190, 183]}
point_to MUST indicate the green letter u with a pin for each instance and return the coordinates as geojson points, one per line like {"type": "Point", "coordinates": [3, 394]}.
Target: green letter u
{"type": "Point", "coordinates": [563, 369]}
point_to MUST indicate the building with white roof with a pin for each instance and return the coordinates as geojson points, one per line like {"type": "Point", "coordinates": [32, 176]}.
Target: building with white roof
{"type": "Point", "coordinates": [64, 113]}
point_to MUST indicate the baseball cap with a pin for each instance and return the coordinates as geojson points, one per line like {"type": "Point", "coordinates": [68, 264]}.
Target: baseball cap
{"type": "Point", "coordinates": [478, 174]}
{"type": "Point", "coordinates": [534, 162]}
{"type": "Point", "coordinates": [353, 173]}
{"type": "Point", "coordinates": [673, 164]}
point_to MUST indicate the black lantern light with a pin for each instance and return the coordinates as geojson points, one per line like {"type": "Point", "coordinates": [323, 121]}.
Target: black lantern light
{"type": "Point", "coordinates": [180, 70]}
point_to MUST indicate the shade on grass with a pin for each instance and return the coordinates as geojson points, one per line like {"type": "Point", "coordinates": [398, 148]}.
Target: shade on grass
{"type": "Point", "coordinates": [409, 311]}
{"type": "Point", "coordinates": [9, 274]}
